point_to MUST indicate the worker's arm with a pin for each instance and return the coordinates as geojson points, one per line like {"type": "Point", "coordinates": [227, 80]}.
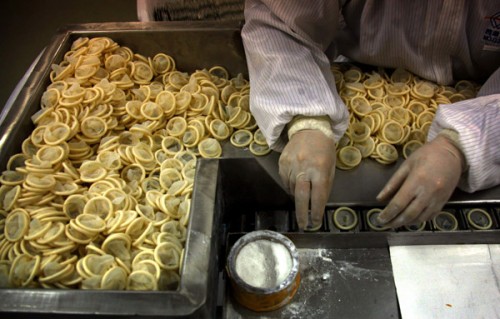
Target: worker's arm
{"type": "Point", "coordinates": [464, 150]}
{"type": "Point", "coordinates": [289, 72]}
{"type": "Point", "coordinates": [477, 123]}
{"type": "Point", "coordinates": [293, 96]}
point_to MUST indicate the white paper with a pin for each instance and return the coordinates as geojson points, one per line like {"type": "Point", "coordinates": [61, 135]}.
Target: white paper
{"type": "Point", "coordinates": [447, 281]}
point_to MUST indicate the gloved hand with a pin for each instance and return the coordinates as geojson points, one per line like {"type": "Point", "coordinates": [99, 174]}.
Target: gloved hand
{"type": "Point", "coordinates": [307, 168]}
{"type": "Point", "coordinates": [423, 184]}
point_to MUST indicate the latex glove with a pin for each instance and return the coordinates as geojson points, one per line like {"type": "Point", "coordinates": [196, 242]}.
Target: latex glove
{"type": "Point", "coordinates": [307, 168]}
{"type": "Point", "coordinates": [423, 184]}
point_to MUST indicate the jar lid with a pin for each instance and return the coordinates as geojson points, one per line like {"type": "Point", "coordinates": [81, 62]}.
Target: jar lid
{"type": "Point", "coordinates": [263, 262]}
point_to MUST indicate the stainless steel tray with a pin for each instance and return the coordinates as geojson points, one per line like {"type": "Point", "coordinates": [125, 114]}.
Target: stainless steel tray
{"type": "Point", "coordinates": [194, 46]}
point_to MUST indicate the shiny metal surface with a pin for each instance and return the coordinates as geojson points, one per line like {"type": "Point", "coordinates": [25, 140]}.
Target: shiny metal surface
{"type": "Point", "coordinates": [192, 45]}
{"type": "Point", "coordinates": [194, 298]}
{"type": "Point", "coordinates": [361, 185]}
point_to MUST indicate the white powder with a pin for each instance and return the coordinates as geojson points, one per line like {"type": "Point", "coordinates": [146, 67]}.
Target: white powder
{"type": "Point", "coordinates": [263, 263]}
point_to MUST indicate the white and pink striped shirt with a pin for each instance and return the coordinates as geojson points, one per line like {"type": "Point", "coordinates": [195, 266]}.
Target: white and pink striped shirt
{"type": "Point", "coordinates": [289, 46]}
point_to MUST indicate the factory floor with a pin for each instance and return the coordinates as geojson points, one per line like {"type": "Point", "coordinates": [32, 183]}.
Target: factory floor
{"type": "Point", "coordinates": [27, 27]}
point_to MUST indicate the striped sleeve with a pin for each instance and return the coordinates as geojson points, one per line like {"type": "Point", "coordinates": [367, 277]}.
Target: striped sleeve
{"type": "Point", "coordinates": [289, 72]}
{"type": "Point", "coordinates": [477, 122]}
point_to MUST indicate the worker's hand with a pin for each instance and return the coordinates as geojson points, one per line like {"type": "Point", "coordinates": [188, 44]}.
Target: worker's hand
{"type": "Point", "coordinates": [423, 184]}
{"type": "Point", "coordinates": [307, 168]}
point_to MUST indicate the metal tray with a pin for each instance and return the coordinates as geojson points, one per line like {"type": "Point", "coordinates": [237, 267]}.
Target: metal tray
{"type": "Point", "coordinates": [194, 46]}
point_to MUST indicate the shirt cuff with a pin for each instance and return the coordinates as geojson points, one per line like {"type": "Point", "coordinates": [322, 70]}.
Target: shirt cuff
{"type": "Point", "coordinates": [454, 138]}
{"type": "Point", "coordinates": [320, 123]}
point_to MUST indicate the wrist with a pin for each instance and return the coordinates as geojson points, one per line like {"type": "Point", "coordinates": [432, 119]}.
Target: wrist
{"type": "Point", "coordinates": [451, 139]}
{"type": "Point", "coordinates": [319, 123]}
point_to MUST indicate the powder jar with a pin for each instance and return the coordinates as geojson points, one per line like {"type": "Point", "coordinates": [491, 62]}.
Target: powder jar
{"type": "Point", "coordinates": [263, 268]}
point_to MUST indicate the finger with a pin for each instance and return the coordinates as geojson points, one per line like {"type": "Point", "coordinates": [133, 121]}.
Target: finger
{"type": "Point", "coordinates": [411, 214]}
{"type": "Point", "coordinates": [432, 210]}
{"type": "Point", "coordinates": [302, 196]}
{"type": "Point", "coordinates": [394, 182]}
{"type": "Point", "coordinates": [292, 180]}
{"type": "Point", "coordinates": [428, 214]}
{"type": "Point", "coordinates": [398, 204]}
{"type": "Point", "coordinates": [319, 197]}
{"type": "Point", "coordinates": [284, 174]}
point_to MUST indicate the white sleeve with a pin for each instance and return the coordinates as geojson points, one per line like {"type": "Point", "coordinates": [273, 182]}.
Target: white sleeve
{"type": "Point", "coordinates": [289, 72]}
{"type": "Point", "coordinates": [477, 122]}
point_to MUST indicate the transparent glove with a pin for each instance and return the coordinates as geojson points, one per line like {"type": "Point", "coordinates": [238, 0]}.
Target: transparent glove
{"type": "Point", "coordinates": [423, 184]}
{"type": "Point", "coordinates": [307, 168]}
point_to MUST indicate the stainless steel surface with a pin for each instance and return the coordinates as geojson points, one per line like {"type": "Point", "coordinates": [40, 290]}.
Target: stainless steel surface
{"type": "Point", "coordinates": [194, 297]}
{"type": "Point", "coordinates": [192, 46]}
{"type": "Point", "coordinates": [361, 185]}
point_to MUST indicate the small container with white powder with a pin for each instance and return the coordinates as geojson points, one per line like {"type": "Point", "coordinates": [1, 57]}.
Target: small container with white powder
{"type": "Point", "coordinates": [263, 267]}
